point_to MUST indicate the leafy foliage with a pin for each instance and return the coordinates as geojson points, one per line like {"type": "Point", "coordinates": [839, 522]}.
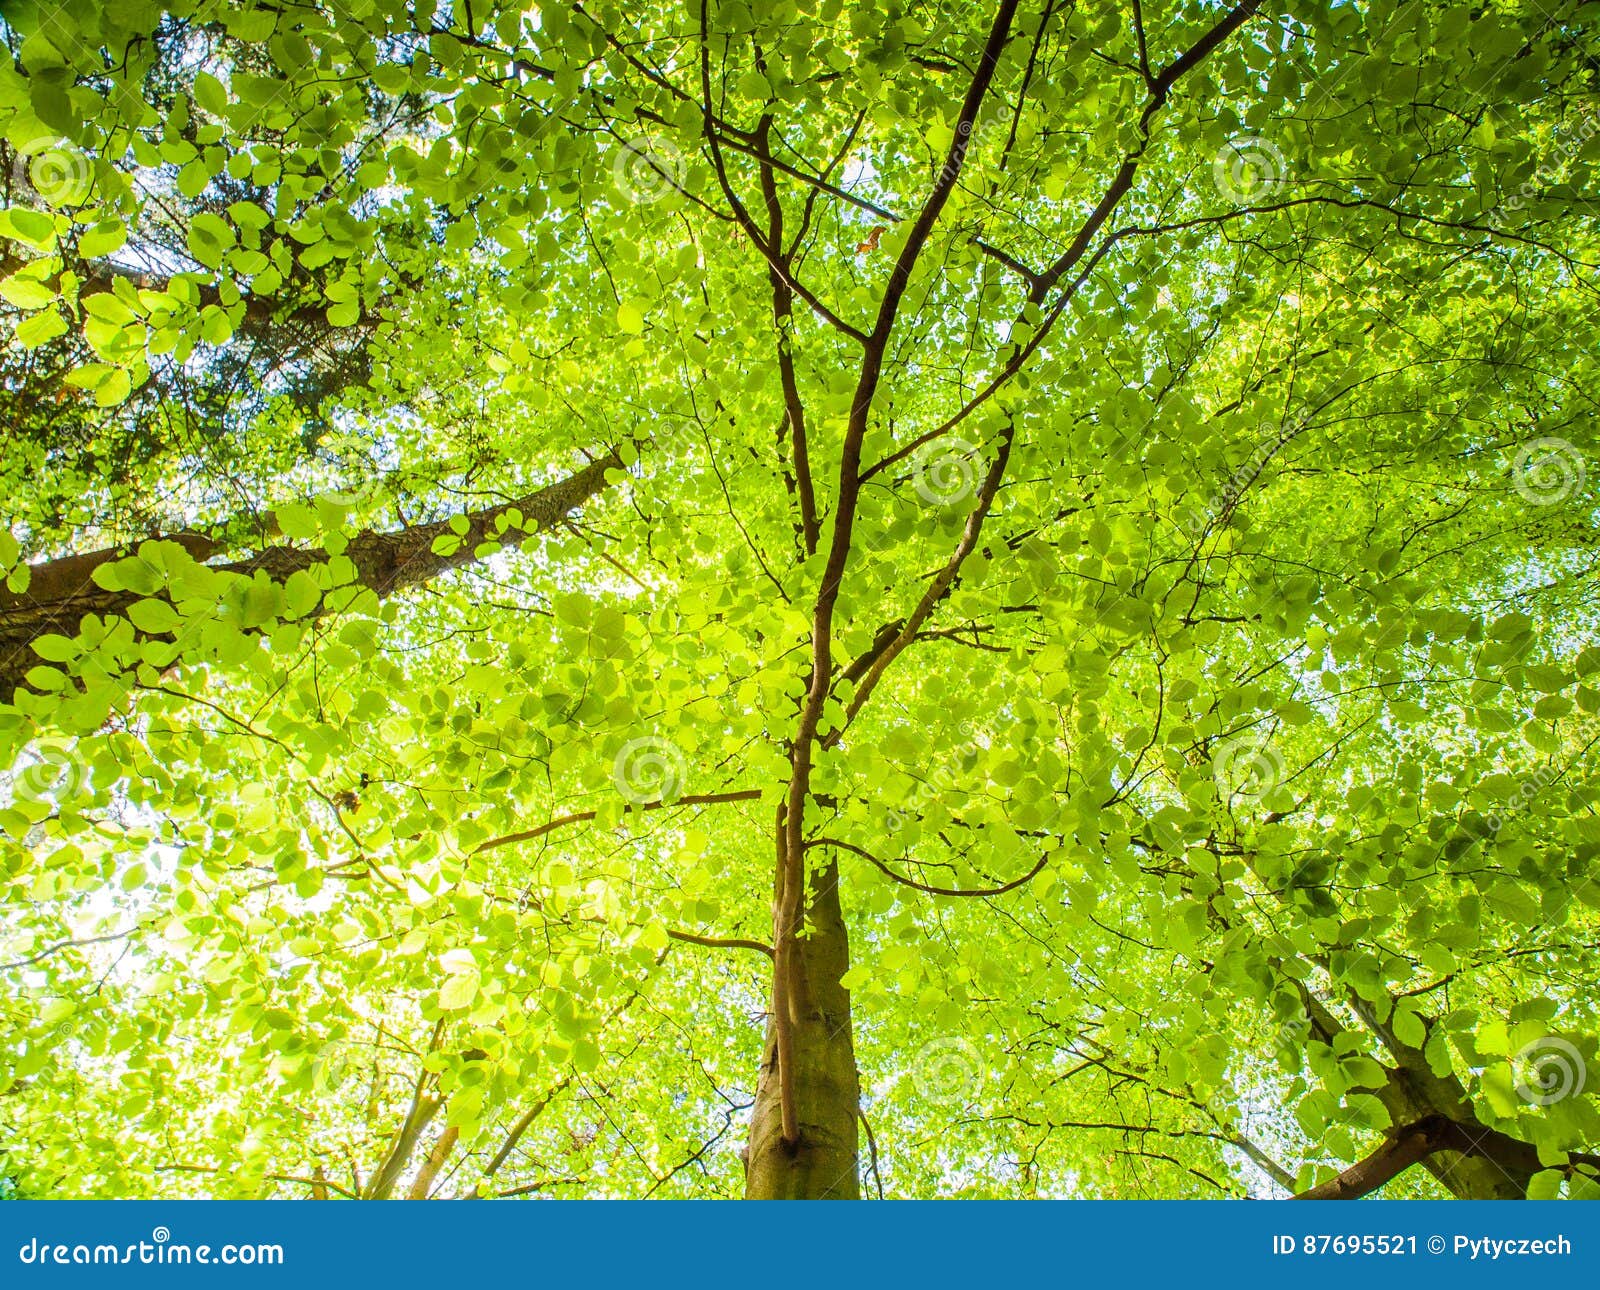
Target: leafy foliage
{"type": "Point", "coordinates": [1116, 481]}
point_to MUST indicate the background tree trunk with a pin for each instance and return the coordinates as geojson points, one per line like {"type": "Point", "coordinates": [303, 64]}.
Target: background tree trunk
{"type": "Point", "coordinates": [823, 1165]}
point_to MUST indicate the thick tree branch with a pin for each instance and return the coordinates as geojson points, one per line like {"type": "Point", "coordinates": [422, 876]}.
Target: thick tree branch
{"type": "Point", "coordinates": [1402, 1149]}
{"type": "Point", "coordinates": [917, 238]}
{"type": "Point", "coordinates": [422, 1109]}
{"type": "Point", "coordinates": [1041, 284]}
{"type": "Point", "coordinates": [722, 942]}
{"type": "Point", "coordinates": [789, 913]}
{"type": "Point", "coordinates": [514, 1136]}
{"type": "Point", "coordinates": [772, 253]}
{"type": "Point", "coordinates": [944, 581]}
{"type": "Point", "coordinates": [1413, 1143]}
{"type": "Point", "coordinates": [783, 323]}
{"type": "Point", "coordinates": [62, 593]}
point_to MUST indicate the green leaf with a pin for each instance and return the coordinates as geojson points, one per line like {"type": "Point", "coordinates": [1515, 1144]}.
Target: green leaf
{"type": "Point", "coordinates": [153, 616]}
{"type": "Point", "coordinates": [1409, 1027]}
{"type": "Point", "coordinates": [1545, 1185]}
{"type": "Point", "coordinates": [209, 93]}
{"type": "Point", "coordinates": [458, 992]}
{"type": "Point", "coordinates": [114, 388]}
{"type": "Point", "coordinates": [33, 227]}
{"type": "Point", "coordinates": [54, 648]}
{"type": "Point", "coordinates": [51, 104]}
{"type": "Point", "coordinates": [25, 292]}
{"type": "Point", "coordinates": [40, 330]}
{"type": "Point", "coordinates": [301, 594]}
{"type": "Point", "coordinates": [1513, 901]}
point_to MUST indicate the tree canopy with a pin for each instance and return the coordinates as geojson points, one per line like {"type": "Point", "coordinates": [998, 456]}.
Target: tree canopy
{"type": "Point", "coordinates": [816, 600]}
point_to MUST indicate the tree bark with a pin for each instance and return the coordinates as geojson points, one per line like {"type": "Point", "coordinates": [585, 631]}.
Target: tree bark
{"type": "Point", "coordinates": [1514, 1160]}
{"type": "Point", "coordinates": [423, 1109]}
{"type": "Point", "coordinates": [62, 593]}
{"type": "Point", "coordinates": [1402, 1149]}
{"type": "Point", "coordinates": [823, 1164]}
{"type": "Point", "coordinates": [1413, 1094]}
{"type": "Point", "coordinates": [435, 1162]}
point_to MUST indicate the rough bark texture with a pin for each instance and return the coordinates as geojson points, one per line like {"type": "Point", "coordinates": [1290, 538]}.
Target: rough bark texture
{"type": "Point", "coordinates": [823, 1165]}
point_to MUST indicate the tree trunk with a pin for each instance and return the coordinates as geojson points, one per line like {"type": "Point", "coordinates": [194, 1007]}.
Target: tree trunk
{"type": "Point", "coordinates": [822, 1165]}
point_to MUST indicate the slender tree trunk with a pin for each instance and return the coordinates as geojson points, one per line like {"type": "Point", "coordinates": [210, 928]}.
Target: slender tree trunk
{"type": "Point", "coordinates": [823, 1164]}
